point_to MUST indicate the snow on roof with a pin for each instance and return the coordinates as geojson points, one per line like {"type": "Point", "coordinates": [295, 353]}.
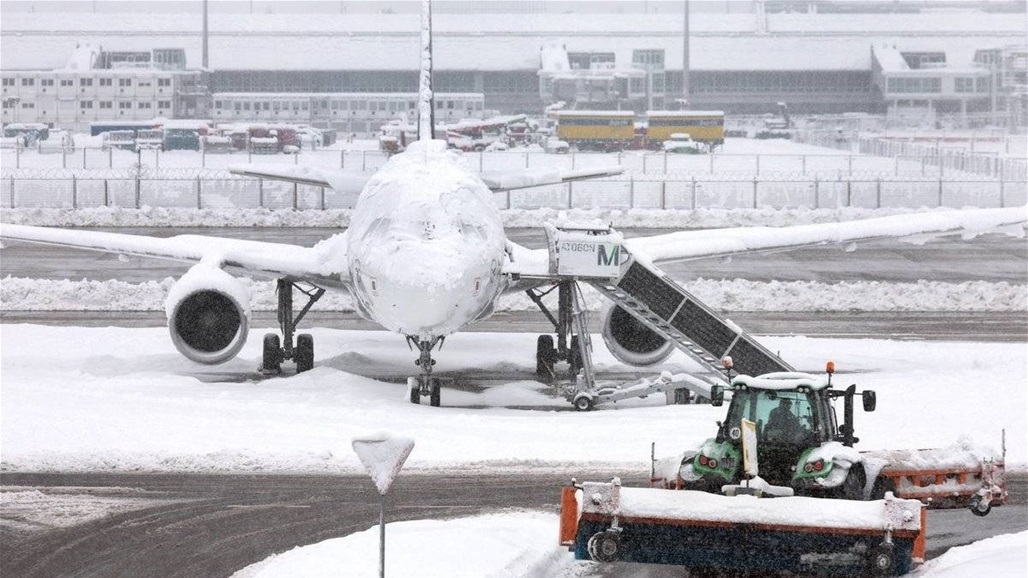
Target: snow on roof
{"type": "Point", "coordinates": [82, 57]}
{"type": "Point", "coordinates": [890, 59]}
{"type": "Point", "coordinates": [497, 42]}
{"type": "Point", "coordinates": [553, 57]}
{"type": "Point", "coordinates": [684, 113]}
{"type": "Point", "coordinates": [607, 113]}
{"type": "Point", "coordinates": [782, 381]}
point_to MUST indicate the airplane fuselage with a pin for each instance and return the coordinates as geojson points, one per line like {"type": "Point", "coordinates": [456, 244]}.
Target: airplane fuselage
{"type": "Point", "coordinates": [426, 244]}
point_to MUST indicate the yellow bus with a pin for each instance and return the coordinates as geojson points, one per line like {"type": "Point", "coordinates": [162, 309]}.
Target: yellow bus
{"type": "Point", "coordinates": [596, 129]}
{"type": "Point", "coordinates": [704, 126]}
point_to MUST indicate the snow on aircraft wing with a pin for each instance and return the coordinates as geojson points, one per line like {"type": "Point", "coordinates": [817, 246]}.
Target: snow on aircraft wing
{"type": "Point", "coordinates": [688, 245]}
{"type": "Point", "coordinates": [343, 182]}
{"type": "Point", "coordinates": [337, 180]}
{"type": "Point", "coordinates": [324, 264]}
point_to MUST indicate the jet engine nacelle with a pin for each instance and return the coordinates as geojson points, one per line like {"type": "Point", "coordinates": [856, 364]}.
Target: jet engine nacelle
{"type": "Point", "coordinates": [208, 315]}
{"type": "Point", "coordinates": [632, 342]}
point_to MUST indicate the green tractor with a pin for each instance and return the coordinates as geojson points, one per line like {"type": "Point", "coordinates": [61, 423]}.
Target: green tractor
{"type": "Point", "coordinates": [800, 443]}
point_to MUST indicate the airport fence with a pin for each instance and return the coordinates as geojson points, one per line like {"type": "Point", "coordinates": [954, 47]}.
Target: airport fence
{"type": "Point", "coordinates": [203, 191]}
{"type": "Point", "coordinates": [877, 158]}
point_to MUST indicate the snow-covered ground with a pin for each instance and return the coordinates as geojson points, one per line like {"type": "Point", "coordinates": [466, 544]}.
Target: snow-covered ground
{"type": "Point", "coordinates": [122, 399]}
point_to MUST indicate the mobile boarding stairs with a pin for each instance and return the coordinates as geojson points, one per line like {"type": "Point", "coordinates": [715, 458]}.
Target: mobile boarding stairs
{"type": "Point", "coordinates": [595, 255]}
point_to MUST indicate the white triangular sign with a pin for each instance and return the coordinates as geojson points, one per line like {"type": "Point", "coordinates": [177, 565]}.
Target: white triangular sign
{"type": "Point", "coordinates": [383, 455]}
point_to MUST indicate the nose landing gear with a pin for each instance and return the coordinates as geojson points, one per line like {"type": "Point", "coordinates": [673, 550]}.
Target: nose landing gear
{"type": "Point", "coordinates": [425, 384]}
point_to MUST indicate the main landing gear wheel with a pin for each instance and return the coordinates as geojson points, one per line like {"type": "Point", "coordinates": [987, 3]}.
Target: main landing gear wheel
{"type": "Point", "coordinates": [271, 361]}
{"type": "Point", "coordinates": [545, 356]}
{"type": "Point", "coordinates": [882, 560]}
{"type": "Point", "coordinates": [304, 355]}
{"type": "Point", "coordinates": [575, 356]}
{"type": "Point", "coordinates": [605, 546]}
{"type": "Point", "coordinates": [434, 394]}
{"type": "Point", "coordinates": [414, 390]}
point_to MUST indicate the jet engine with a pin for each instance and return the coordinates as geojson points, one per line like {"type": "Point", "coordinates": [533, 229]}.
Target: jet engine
{"type": "Point", "coordinates": [632, 342]}
{"type": "Point", "coordinates": [208, 315]}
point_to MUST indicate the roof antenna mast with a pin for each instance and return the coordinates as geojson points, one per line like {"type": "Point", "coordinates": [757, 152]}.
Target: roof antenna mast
{"type": "Point", "coordinates": [426, 104]}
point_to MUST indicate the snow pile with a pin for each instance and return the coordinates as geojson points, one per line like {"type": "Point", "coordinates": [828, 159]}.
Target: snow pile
{"type": "Point", "coordinates": [512, 218]}
{"type": "Point", "coordinates": [515, 543]}
{"type": "Point", "coordinates": [28, 509]}
{"type": "Point", "coordinates": [1003, 555]}
{"type": "Point", "coordinates": [23, 294]}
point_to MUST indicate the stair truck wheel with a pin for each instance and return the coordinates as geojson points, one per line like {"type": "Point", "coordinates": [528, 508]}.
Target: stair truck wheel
{"type": "Point", "coordinates": [882, 560]}
{"type": "Point", "coordinates": [978, 505]}
{"type": "Point", "coordinates": [414, 390]}
{"type": "Point", "coordinates": [271, 360]}
{"type": "Point", "coordinates": [575, 356]}
{"type": "Point", "coordinates": [544, 356]}
{"type": "Point", "coordinates": [304, 352]}
{"type": "Point", "coordinates": [605, 546]}
{"type": "Point", "coordinates": [434, 395]}
{"type": "Point", "coordinates": [583, 402]}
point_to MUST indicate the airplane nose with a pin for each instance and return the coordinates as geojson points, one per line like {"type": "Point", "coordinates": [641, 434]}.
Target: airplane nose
{"type": "Point", "coordinates": [422, 288]}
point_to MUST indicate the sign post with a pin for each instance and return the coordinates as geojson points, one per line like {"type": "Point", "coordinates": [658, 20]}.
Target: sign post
{"type": "Point", "coordinates": [382, 455]}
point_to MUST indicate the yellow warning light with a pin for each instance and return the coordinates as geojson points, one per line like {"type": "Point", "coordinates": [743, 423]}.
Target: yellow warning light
{"type": "Point", "coordinates": [726, 362]}
{"type": "Point", "coordinates": [830, 367]}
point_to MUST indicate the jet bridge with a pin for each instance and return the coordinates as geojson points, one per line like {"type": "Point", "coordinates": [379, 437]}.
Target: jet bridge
{"type": "Point", "coordinates": [596, 255]}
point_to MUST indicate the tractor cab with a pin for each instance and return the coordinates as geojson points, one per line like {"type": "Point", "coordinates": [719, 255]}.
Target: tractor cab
{"type": "Point", "coordinates": [794, 422]}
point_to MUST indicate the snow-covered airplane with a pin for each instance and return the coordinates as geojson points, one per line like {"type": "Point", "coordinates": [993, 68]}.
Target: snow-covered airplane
{"type": "Point", "coordinates": [425, 255]}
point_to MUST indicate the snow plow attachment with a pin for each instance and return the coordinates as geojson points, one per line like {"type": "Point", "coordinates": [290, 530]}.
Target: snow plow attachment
{"type": "Point", "coordinates": [607, 523]}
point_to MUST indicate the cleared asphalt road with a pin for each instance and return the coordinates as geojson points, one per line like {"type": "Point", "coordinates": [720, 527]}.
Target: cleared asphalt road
{"type": "Point", "coordinates": [213, 525]}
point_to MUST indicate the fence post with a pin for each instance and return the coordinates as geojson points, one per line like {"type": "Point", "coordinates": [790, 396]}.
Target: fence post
{"type": "Point", "coordinates": [64, 159]}
{"type": "Point", "coordinates": [803, 166]}
{"type": "Point", "coordinates": [84, 157]}
{"type": "Point", "coordinates": [575, 154]}
{"type": "Point", "coordinates": [107, 194]}
{"type": "Point", "coordinates": [711, 164]}
{"type": "Point", "coordinates": [323, 206]}
{"type": "Point", "coordinates": [1002, 201]}
{"type": "Point", "coordinates": [663, 190]}
{"type": "Point", "coordinates": [138, 187]}
{"type": "Point", "coordinates": [817, 193]}
{"type": "Point", "coordinates": [694, 193]}
{"type": "Point", "coordinates": [203, 157]}
{"type": "Point", "coordinates": [260, 192]}
{"type": "Point", "coordinates": [922, 166]}
{"type": "Point", "coordinates": [17, 157]}
{"type": "Point", "coordinates": [878, 194]}
{"type": "Point", "coordinates": [758, 166]}
{"type": "Point", "coordinates": [849, 191]}
{"type": "Point", "coordinates": [342, 159]}
{"type": "Point", "coordinates": [645, 156]}
{"type": "Point", "coordinates": [295, 195]}
{"type": "Point", "coordinates": [527, 162]}
{"type": "Point", "coordinates": [940, 192]}
{"type": "Point", "coordinates": [665, 162]}
{"type": "Point", "coordinates": [631, 190]}
{"type": "Point", "coordinates": [508, 195]}
{"type": "Point", "coordinates": [755, 185]}
{"type": "Point", "coordinates": [199, 193]}
{"type": "Point", "coordinates": [12, 191]}
{"type": "Point", "coordinates": [110, 157]}
{"type": "Point", "coordinates": [74, 192]}
{"type": "Point", "coordinates": [364, 161]}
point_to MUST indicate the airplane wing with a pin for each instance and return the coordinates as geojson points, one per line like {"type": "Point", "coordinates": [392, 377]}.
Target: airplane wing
{"type": "Point", "coordinates": [323, 265]}
{"type": "Point", "coordinates": [344, 182]}
{"type": "Point", "coordinates": [688, 245]}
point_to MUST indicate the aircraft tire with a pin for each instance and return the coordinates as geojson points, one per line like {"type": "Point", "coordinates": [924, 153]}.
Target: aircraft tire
{"type": "Point", "coordinates": [434, 396]}
{"type": "Point", "coordinates": [575, 356]}
{"type": "Point", "coordinates": [271, 360]}
{"type": "Point", "coordinates": [304, 352]}
{"type": "Point", "coordinates": [544, 356]}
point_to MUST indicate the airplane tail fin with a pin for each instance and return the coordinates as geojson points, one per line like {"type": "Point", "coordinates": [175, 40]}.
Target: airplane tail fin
{"type": "Point", "coordinates": [426, 101]}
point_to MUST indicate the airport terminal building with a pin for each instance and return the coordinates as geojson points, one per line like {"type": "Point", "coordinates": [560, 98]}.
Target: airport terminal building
{"type": "Point", "coordinates": [967, 62]}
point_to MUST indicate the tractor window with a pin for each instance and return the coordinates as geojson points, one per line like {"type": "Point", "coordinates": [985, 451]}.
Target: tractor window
{"type": "Point", "coordinates": [781, 416]}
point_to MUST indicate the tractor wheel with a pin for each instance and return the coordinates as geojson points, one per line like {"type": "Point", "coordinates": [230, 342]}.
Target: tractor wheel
{"type": "Point", "coordinates": [852, 487]}
{"type": "Point", "coordinates": [883, 485]}
{"type": "Point", "coordinates": [605, 546]}
{"type": "Point", "coordinates": [304, 354]}
{"type": "Point", "coordinates": [574, 356]}
{"type": "Point", "coordinates": [434, 396]}
{"type": "Point", "coordinates": [978, 505]}
{"type": "Point", "coordinates": [882, 560]}
{"type": "Point", "coordinates": [272, 358]}
{"type": "Point", "coordinates": [544, 356]}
